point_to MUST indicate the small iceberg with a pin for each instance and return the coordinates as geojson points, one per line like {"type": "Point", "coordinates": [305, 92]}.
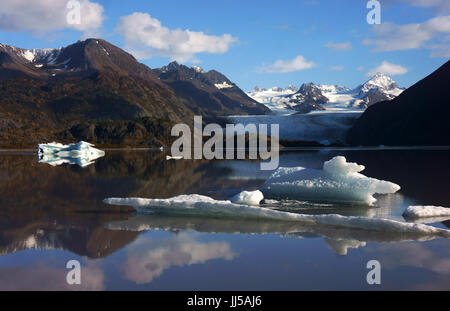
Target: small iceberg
{"type": "Point", "coordinates": [338, 181]}
{"type": "Point", "coordinates": [168, 158]}
{"type": "Point", "coordinates": [194, 204]}
{"type": "Point", "coordinates": [82, 154]}
{"type": "Point", "coordinates": [426, 212]}
{"type": "Point", "coordinates": [248, 198]}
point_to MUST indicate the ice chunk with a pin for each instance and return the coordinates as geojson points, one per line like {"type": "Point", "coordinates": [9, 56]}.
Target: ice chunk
{"type": "Point", "coordinates": [248, 198]}
{"type": "Point", "coordinates": [82, 154]}
{"type": "Point", "coordinates": [426, 211]}
{"type": "Point", "coordinates": [339, 181]}
{"type": "Point", "coordinates": [201, 205]}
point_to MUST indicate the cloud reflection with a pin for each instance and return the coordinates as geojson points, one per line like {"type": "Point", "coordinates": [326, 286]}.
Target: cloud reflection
{"type": "Point", "coordinates": [148, 258]}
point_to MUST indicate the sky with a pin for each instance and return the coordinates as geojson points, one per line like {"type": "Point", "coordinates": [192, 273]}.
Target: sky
{"type": "Point", "coordinates": [261, 43]}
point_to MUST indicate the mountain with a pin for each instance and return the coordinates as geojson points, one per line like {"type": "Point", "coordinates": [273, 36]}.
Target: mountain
{"type": "Point", "coordinates": [92, 90]}
{"type": "Point", "coordinates": [207, 92]}
{"type": "Point", "coordinates": [312, 97]}
{"type": "Point", "coordinates": [419, 116]}
{"type": "Point", "coordinates": [379, 88]}
{"type": "Point", "coordinates": [308, 98]}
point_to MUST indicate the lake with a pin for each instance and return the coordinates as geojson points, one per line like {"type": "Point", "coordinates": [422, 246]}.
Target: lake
{"type": "Point", "coordinates": [51, 215]}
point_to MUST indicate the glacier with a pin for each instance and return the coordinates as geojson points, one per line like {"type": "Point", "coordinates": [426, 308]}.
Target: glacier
{"type": "Point", "coordinates": [325, 127]}
{"type": "Point", "coordinates": [82, 154]}
{"type": "Point", "coordinates": [338, 181]}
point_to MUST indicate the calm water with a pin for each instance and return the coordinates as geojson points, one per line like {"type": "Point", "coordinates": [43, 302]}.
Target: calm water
{"type": "Point", "coordinates": [50, 215]}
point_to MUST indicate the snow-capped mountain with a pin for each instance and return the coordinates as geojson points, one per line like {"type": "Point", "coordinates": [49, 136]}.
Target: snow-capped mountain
{"type": "Point", "coordinates": [379, 88]}
{"type": "Point", "coordinates": [311, 97]}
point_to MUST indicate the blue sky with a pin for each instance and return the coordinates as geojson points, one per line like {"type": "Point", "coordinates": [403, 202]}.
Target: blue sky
{"type": "Point", "coordinates": [254, 42]}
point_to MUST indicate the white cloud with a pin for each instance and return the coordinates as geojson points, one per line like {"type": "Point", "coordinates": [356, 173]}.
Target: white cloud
{"type": "Point", "coordinates": [440, 50]}
{"type": "Point", "coordinates": [285, 66]}
{"type": "Point", "coordinates": [388, 69]}
{"type": "Point", "coordinates": [344, 46]}
{"type": "Point", "coordinates": [392, 37]}
{"type": "Point", "coordinates": [146, 37]}
{"type": "Point", "coordinates": [360, 68]}
{"type": "Point", "coordinates": [337, 68]}
{"type": "Point", "coordinates": [43, 16]}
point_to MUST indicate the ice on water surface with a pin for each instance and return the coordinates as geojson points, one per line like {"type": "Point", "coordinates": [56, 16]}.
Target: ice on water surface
{"type": "Point", "coordinates": [427, 212]}
{"type": "Point", "coordinates": [338, 181]}
{"type": "Point", "coordinates": [194, 204]}
{"type": "Point", "coordinates": [81, 154]}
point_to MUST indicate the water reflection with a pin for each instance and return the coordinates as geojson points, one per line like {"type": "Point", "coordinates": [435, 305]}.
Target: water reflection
{"type": "Point", "coordinates": [149, 258]}
{"type": "Point", "coordinates": [51, 214]}
{"type": "Point", "coordinates": [338, 238]}
{"type": "Point", "coordinates": [42, 277]}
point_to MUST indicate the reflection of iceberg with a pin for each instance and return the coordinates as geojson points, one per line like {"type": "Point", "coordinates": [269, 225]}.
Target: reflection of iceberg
{"type": "Point", "coordinates": [339, 181]}
{"type": "Point", "coordinates": [81, 154]}
{"type": "Point", "coordinates": [201, 205]}
{"type": "Point", "coordinates": [339, 239]}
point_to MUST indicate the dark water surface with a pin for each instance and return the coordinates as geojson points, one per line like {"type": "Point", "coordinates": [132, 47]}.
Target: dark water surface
{"type": "Point", "coordinates": [50, 215]}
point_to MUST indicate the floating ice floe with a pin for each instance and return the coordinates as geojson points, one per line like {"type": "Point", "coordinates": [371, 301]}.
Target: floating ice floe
{"type": "Point", "coordinates": [82, 154]}
{"type": "Point", "coordinates": [338, 181]}
{"type": "Point", "coordinates": [201, 205]}
{"type": "Point", "coordinates": [427, 212]}
{"type": "Point", "coordinates": [248, 198]}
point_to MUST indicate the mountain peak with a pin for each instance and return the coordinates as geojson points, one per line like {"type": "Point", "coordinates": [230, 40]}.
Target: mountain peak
{"type": "Point", "coordinates": [379, 81]}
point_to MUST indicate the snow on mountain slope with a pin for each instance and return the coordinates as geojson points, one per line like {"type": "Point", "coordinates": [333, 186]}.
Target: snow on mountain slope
{"type": "Point", "coordinates": [276, 98]}
{"type": "Point", "coordinates": [340, 98]}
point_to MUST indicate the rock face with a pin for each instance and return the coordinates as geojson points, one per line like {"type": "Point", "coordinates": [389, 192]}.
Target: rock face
{"type": "Point", "coordinates": [50, 94]}
{"type": "Point", "coordinates": [419, 116]}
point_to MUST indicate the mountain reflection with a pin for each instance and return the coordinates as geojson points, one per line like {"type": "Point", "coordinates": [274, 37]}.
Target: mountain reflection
{"type": "Point", "coordinates": [46, 207]}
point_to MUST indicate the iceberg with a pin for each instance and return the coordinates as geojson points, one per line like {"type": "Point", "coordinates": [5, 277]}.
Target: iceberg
{"type": "Point", "coordinates": [201, 205]}
{"type": "Point", "coordinates": [338, 181]}
{"type": "Point", "coordinates": [248, 198]}
{"type": "Point", "coordinates": [426, 212]}
{"type": "Point", "coordinates": [81, 154]}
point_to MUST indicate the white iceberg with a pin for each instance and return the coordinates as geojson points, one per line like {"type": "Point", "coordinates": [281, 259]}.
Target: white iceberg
{"type": "Point", "coordinates": [201, 205]}
{"type": "Point", "coordinates": [82, 154]}
{"type": "Point", "coordinates": [338, 181]}
{"type": "Point", "coordinates": [248, 198]}
{"type": "Point", "coordinates": [427, 212]}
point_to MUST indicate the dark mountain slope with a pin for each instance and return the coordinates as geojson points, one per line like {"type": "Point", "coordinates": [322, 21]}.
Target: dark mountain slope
{"type": "Point", "coordinates": [419, 116]}
{"type": "Point", "coordinates": [208, 91]}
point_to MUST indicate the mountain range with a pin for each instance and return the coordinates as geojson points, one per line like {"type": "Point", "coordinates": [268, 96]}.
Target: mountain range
{"type": "Point", "coordinates": [92, 90]}
{"type": "Point", "coordinates": [311, 97]}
